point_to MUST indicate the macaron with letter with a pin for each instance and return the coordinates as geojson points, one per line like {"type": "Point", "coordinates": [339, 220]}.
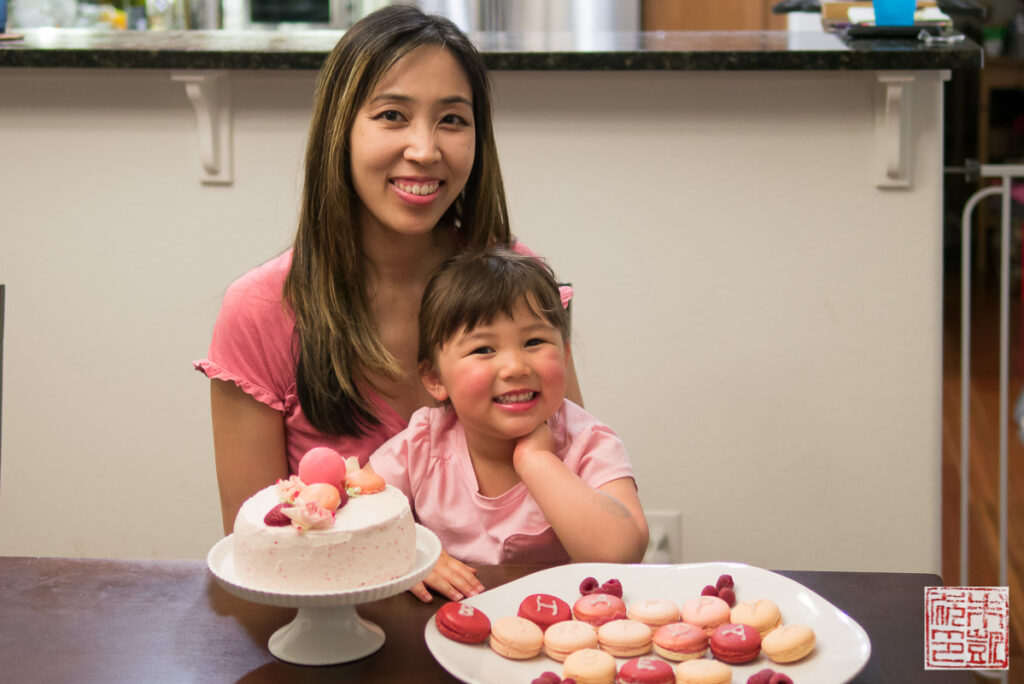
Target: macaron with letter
{"type": "Point", "coordinates": [646, 670]}
{"type": "Point", "coordinates": [735, 643]}
{"type": "Point", "coordinates": [706, 612]}
{"type": "Point", "coordinates": [653, 612]}
{"type": "Point", "coordinates": [624, 638]}
{"type": "Point", "coordinates": [563, 638]}
{"type": "Point", "coordinates": [680, 641]}
{"type": "Point", "coordinates": [703, 671]}
{"type": "Point", "coordinates": [462, 622]}
{"type": "Point", "coordinates": [763, 615]}
{"type": "Point", "coordinates": [789, 643]}
{"type": "Point", "coordinates": [598, 609]}
{"type": "Point", "coordinates": [590, 666]}
{"type": "Point", "coordinates": [544, 610]}
{"type": "Point", "coordinates": [516, 638]}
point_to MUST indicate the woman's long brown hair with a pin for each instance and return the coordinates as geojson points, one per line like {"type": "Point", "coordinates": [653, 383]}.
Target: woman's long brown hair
{"type": "Point", "coordinates": [336, 341]}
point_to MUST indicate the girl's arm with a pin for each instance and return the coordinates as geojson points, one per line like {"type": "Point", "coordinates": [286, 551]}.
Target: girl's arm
{"type": "Point", "coordinates": [605, 525]}
{"type": "Point", "coordinates": [248, 444]}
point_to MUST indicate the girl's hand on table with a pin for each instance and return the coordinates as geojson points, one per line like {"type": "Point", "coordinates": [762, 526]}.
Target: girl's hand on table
{"type": "Point", "coordinates": [450, 578]}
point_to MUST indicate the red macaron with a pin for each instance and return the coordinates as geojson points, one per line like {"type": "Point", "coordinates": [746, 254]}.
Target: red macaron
{"type": "Point", "coordinates": [544, 610]}
{"type": "Point", "coordinates": [646, 670]}
{"type": "Point", "coordinates": [462, 622]}
{"type": "Point", "coordinates": [734, 643]}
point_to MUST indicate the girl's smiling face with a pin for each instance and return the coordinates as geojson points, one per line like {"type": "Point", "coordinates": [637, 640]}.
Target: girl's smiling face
{"type": "Point", "coordinates": [503, 378]}
{"type": "Point", "coordinates": [413, 143]}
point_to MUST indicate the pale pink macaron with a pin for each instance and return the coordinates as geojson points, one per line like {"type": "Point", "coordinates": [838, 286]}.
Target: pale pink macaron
{"type": "Point", "coordinates": [624, 638]}
{"type": "Point", "coordinates": [763, 615]}
{"type": "Point", "coordinates": [568, 636]}
{"type": "Point", "coordinates": [788, 643]}
{"type": "Point", "coordinates": [703, 671]}
{"type": "Point", "coordinates": [515, 637]}
{"type": "Point", "coordinates": [653, 612]}
{"type": "Point", "coordinates": [680, 641]}
{"type": "Point", "coordinates": [590, 666]}
{"type": "Point", "coordinates": [706, 612]}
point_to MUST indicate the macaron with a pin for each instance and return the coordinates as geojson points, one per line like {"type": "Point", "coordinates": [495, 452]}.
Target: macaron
{"type": "Point", "coordinates": [788, 643]}
{"type": "Point", "coordinates": [703, 671]}
{"type": "Point", "coordinates": [544, 610]}
{"type": "Point", "coordinates": [463, 623]}
{"type": "Point", "coordinates": [680, 641]}
{"type": "Point", "coordinates": [624, 638]}
{"type": "Point", "coordinates": [598, 609]}
{"type": "Point", "coordinates": [322, 464]}
{"type": "Point", "coordinates": [735, 643]}
{"type": "Point", "coordinates": [706, 612]}
{"type": "Point", "coordinates": [653, 612]}
{"type": "Point", "coordinates": [646, 670]}
{"type": "Point", "coordinates": [763, 615]}
{"type": "Point", "coordinates": [590, 666]}
{"type": "Point", "coordinates": [516, 638]}
{"type": "Point", "coordinates": [563, 638]}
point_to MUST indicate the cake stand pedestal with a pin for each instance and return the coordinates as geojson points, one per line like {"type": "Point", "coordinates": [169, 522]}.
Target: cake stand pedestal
{"type": "Point", "coordinates": [327, 630]}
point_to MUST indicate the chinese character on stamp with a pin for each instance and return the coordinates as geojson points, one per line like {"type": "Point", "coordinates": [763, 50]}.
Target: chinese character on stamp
{"type": "Point", "coordinates": [966, 628]}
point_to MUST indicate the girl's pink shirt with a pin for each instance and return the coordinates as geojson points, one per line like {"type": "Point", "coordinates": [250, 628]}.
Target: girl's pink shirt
{"type": "Point", "coordinates": [253, 346]}
{"type": "Point", "coordinates": [430, 462]}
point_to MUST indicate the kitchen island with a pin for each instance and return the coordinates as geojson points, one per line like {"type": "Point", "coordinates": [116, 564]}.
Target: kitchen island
{"type": "Point", "coordinates": [752, 223]}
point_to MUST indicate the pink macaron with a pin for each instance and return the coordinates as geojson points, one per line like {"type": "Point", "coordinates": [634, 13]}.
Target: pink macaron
{"type": "Point", "coordinates": [598, 609]}
{"type": "Point", "coordinates": [680, 641]}
{"type": "Point", "coordinates": [706, 612]}
{"type": "Point", "coordinates": [653, 612]}
{"type": "Point", "coordinates": [322, 464]}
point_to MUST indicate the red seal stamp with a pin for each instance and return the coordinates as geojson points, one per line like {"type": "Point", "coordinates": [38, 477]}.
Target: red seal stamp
{"type": "Point", "coordinates": [966, 628]}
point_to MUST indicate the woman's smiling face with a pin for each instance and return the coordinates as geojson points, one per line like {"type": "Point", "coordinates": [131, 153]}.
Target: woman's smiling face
{"type": "Point", "coordinates": [413, 143]}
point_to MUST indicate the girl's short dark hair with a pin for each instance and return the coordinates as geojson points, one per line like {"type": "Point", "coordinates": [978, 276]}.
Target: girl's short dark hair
{"type": "Point", "coordinates": [474, 288]}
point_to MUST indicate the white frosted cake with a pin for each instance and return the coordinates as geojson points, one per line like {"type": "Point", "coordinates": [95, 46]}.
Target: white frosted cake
{"type": "Point", "coordinates": [372, 540]}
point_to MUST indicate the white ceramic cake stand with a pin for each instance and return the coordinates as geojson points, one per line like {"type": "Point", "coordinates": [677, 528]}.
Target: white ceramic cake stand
{"type": "Point", "coordinates": [327, 630]}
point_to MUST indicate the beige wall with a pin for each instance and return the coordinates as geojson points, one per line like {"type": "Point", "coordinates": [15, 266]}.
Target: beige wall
{"type": "Point", "coordinates": [756, 318]}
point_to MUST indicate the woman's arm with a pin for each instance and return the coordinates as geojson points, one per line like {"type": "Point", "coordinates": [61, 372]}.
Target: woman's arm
{"type": "Point", "coordinates": [572, 383]}
{"type": "Point", "coordinates": [605, 525]}
{"type": "Point", "coordinates": [248, 443]}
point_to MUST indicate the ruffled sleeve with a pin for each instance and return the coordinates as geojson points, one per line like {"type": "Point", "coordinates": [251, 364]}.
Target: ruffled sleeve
{"type": "Point", "coordinates": [252, 338]}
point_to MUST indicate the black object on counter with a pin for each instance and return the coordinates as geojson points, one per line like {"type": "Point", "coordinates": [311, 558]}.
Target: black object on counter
{"type": "Point", "coordinates": [962, 8]}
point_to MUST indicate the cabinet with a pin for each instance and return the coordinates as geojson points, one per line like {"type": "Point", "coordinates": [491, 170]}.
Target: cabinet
{"type": "Point", "coordinates": [998, 141]}
{"type": "Point", "coordinates": [711, 15]}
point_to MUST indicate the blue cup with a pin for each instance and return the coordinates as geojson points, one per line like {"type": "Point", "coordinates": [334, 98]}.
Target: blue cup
{"type": "Point", "coordinates": [894, 12]}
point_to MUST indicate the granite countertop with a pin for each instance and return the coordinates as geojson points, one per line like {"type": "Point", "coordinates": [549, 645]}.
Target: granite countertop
{"type": "Point", "coordinates": [609, 51]}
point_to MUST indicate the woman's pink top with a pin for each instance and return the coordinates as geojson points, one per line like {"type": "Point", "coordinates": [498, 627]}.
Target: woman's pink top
{"type": "Point", "coordinates": [254, 346]}
{"type": "Point", "coordinates": [430, 462]}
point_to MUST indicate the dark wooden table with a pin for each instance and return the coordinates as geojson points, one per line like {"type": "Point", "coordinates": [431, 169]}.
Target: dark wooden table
{"type": "Point", "coordinates": [82, 621]}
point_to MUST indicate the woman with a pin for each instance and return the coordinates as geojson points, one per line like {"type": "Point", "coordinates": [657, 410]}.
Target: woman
{"type": "Point", "coordinates": [318, 346]}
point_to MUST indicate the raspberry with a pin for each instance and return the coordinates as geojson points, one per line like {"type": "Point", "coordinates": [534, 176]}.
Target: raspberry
{"type": "Point", "coordinates": [727, 595]}
{"type": "Point", "coordinates": [761, 676]}
{"type": "Point", "coordinates": [613, 587]}
{"type": "Point", "coordinates": [568, 680]}
{"type": "Point", "coordinates": [780, 678]}
{"type": "Point", "coordinates": [709, 590]}
{"type": "Point", "coordinates": [275, 518]}
{"type": "Point", "coordinates": [547, 678]}
{"type": "Point", "coordinates": [589, 586]}
{"type": "Point", "coordinates": [724, 581]}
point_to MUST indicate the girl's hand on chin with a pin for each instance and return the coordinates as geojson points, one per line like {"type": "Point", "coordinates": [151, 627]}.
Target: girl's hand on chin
{"type": "Point", "coordinates": [540, 440]}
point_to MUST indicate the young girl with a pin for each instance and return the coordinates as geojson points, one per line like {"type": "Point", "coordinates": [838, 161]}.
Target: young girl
{"type": "Point", "coordinates": [317, 347]}
{"type": "Point", "coordinates": [508, 469]}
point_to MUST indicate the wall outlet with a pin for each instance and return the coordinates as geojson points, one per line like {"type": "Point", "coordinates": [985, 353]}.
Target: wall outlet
{"type": "Point", "coordinates": [666, 541]}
